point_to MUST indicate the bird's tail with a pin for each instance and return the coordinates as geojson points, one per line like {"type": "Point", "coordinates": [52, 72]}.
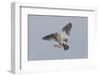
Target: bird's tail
{"type": "Point", "coordinates": [66, 46]}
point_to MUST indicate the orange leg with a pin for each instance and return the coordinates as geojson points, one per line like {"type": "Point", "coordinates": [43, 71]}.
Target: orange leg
{"type": "Point", "coordinates": [59, 46]}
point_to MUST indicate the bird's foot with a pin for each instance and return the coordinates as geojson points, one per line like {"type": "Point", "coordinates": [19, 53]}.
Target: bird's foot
{"type": "Point", "coordinates": [59, 46]}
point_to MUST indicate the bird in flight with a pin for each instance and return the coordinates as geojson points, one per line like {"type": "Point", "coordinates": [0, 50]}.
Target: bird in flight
{"type": "Point", "coordinates": [61, 38]}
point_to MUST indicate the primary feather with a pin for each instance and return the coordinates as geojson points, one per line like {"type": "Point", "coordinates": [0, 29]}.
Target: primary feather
{"type": "Point", "coordinates": [67, 28]}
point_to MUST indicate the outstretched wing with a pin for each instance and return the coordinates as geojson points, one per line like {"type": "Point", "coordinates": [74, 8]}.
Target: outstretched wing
{"type": "Point", "coordinates": [49, 37]}
{"type": "Point", "coordinates": [67, 28]}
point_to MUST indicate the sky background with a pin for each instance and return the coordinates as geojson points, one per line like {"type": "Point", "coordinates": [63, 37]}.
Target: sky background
{"type": "Point", "coordinates": [40, 26]}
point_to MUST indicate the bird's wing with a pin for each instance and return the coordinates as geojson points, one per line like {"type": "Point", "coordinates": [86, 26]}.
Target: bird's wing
{"type": "Point", "coordinates": [49, 37]}
{"type": "Point", "coordinates": [67, 28]}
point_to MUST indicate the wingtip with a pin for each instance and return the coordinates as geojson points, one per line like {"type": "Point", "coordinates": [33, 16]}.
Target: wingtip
{"type": "Point", "coordinates": [70, 24]}
{"type": "Point", "coordinates": [44, 38]}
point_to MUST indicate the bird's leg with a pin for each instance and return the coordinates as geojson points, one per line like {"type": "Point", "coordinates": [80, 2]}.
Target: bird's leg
{"type": "Point", "coordinates": [59, 46]}
{"type": "Point", "coordinates": [55, 45]}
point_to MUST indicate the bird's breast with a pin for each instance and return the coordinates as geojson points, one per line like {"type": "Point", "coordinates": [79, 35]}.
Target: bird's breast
{"type": "Point", "coordinates": [64, 36]}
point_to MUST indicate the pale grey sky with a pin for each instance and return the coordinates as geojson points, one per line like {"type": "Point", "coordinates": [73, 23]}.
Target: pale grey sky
{"type": "Point", "coordinates": [40, 26]}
